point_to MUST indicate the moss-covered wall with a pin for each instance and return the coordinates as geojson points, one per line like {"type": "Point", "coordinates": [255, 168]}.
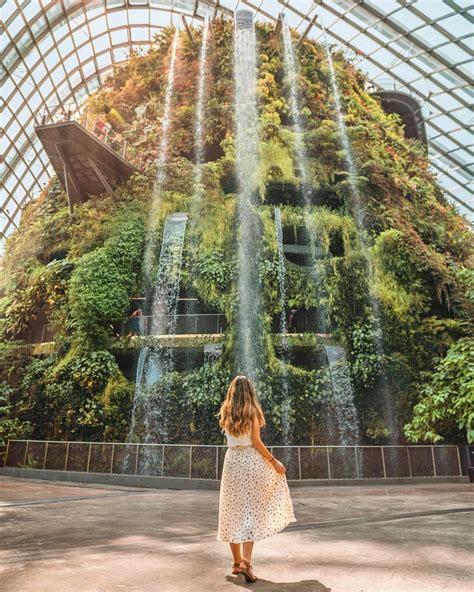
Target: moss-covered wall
{"type": "Point", "coordinates": [82, 272]}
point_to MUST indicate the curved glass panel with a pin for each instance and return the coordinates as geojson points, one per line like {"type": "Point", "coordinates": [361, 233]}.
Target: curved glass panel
{"type": "Point", "coordinates": [60, 51]}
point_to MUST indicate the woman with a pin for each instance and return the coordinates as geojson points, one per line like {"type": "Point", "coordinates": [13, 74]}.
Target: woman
{"type": "Point", "coordinates": [135, 323]}
{"type": "Point", "coordinates": [254, 499]}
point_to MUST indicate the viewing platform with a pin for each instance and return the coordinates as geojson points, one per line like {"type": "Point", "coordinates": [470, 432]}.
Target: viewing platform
{"type": "Point", "coordinates": [87, 155]}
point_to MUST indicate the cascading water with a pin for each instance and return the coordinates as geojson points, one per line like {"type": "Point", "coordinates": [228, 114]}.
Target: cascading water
{"type": "Point", "coordinates": [150, 247]}
{"type": "Point", "coordinates": [345, 411]}
{"type": "Point", "coordinates": [281, 275]}
{"type": "Point", "coordinates": [155, 360]}
{"type": "Point", "coordinates": [343, 400]}
{"type": "Point", "coordinates": [357, 204]}
{"type": "Point", "coordinates": [357, 207]}
{"type": "Point", "coordinates": [159, 291]}
{"type": "Point", "coordinates": [199, 121]}
{"type": "Point", "coordinates": [249, 346]}
{"type": "Point", "coordinates": [165, 301]}
{"type": "Point", "coordinates": [291, 73]}
{"type": "Point", "coordinates": [284, 347]}
{"type": "Point", "coordinates": [166, 119]}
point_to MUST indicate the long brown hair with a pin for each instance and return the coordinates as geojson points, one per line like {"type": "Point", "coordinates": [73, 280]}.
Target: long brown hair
{"type": "Point", "coordinates": [240, 408]}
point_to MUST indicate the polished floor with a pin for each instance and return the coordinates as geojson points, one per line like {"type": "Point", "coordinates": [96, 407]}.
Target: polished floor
{"type": "Point", "coordinates": [63, 537]}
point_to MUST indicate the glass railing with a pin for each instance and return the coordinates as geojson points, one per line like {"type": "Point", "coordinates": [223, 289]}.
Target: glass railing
{"type": "Point", "coordinates": [194, 461]}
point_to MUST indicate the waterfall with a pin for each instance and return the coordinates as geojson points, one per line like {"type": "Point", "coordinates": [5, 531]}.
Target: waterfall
{"type": "Point", "coordinates": [155, 360]}
{"type": "Point", "coordinates": [300, 157]}
{"type": "Point", "coordinates": [343, 396]}
{"type": "Point", "coordinates": [338, 369]}
{"type": "Point", "coordinates": [198, 125]}
{"type": "Point", "coordinates": [281, 274]}
{"type": "Point", "coordinates": [166, 120]}
{"type": "Point", "coordinates": [284, 347]}
{"type": "Point", "coordinates": [249, 350]}
{"type": "Point", "coordinates": [152, 362]}
{"type": "Point", "coordinates": [150, 246]}
{"type": "Point", "coordinates": [165, 301]}
{"type": "Point", "coordinates": [357, 207]}
{"type": "Point", "coordinates": [291, 73]}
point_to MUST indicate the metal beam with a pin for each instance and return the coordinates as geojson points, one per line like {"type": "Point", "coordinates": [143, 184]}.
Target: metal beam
{"type": "Point", "coordinates": [69, 178]}
{"type": "Point", "coordinates": [278, 26]}
{"type": "Point", "coordinates": [306, 31]}
{"type": "Point", "coordinates": [187, 28]}
{"type": "Point", "coordinates": [100, 176]}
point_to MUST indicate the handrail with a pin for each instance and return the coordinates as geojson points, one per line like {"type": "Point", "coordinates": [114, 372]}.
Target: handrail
{"type": "Point", "coordinates": [214, 323]}
{"type": "Point", "coordinates": [304, 462]}
{"type": "Point", "coordinates": [225, 445]}
{"type": "Point", "coordinates": [62, 113]}
{"type": "Point", "coordinates": [219, 324]}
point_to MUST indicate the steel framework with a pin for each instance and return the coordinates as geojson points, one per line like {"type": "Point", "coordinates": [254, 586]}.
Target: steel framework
{"type": "Point", "coordinates": [60, 51]}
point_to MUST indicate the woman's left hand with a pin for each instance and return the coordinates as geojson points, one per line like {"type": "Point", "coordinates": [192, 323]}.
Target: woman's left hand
{"type": "Point", "coordinates": [278, 466]}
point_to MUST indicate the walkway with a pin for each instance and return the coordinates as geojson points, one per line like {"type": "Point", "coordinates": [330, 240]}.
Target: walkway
{"type": "Point", "coordinates": [58, 537]}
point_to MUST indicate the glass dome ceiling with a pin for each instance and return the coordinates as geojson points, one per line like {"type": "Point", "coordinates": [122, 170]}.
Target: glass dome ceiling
{"type": "Point", "coordinates": [60, 51]}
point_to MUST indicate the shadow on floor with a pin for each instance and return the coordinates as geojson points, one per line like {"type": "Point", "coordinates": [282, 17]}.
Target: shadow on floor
{"type": "Point", "coordinates": [268, 586]}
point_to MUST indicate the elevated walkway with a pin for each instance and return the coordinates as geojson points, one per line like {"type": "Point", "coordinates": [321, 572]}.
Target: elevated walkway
{"type": "Point", "coordinates": [85, 163]}
{"type": "Point", "coordinates": [181, 341]}
{"type": "Point", "coordinates": [408, 108]}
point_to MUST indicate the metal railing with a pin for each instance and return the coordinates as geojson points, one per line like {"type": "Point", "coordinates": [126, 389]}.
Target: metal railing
{"type": "Point", "coordinates": [52, 114]}
{"type": "Point", "coordinates": [186, 324]}
{"type": "Point", "coordinates": [183, 324]}
{"type": "Point", "coordinates": [187, 461]}
{"type": "Point", "coordinates": [300, 321]}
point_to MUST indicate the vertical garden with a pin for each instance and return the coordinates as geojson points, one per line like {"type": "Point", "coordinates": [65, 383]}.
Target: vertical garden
{"type": "Point", "coordinates": [395, 293]}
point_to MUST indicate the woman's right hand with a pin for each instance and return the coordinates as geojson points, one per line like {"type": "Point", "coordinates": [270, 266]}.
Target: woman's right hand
{"type": "Point", "coordinates": [278, 466]}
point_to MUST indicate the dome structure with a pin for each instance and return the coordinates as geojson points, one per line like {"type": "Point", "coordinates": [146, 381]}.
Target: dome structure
{"type": "Point", "coordinates": [57, 53]}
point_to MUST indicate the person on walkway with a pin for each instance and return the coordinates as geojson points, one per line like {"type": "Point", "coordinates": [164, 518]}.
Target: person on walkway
{"type": "Point", "coordinates": [254, 498]}
{"type": "Point", "coordinates": [100, 129]}
{"type": "Point", "coordinates": [135, 323]}
{"type": "Point", "coordinates": [292, 321]}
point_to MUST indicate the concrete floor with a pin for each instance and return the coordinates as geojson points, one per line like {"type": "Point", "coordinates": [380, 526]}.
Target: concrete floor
{"type": "Point", "coordinates": [62, 537]}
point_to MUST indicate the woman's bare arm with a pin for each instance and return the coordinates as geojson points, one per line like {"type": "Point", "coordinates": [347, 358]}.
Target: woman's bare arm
{"type": "Point", "coordinates": [260, 446]}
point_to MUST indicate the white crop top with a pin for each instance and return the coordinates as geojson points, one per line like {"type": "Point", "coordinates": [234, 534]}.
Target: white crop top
{"type": "Point", "coordinates": [240, 440]}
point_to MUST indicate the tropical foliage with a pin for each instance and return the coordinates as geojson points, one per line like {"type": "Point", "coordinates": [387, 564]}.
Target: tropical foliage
{"type": "Point", "coordinates": [79, 274]}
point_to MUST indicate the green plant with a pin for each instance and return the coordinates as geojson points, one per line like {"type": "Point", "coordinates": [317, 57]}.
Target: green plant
{"type": "Point", "coordinates": [447, 399]}
{"type": "Point", "coordinates": [103, 279]}
{"type": "Point", "coordinates": [11, 427]}
{"type": "Point", "coordinates": [117, 400]}
{"type": "Point", "coordinates": [393, 281]}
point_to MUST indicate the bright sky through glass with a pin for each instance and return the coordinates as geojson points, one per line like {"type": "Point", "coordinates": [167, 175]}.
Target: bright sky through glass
{"type": "Point", "coordinates": [60, 51]}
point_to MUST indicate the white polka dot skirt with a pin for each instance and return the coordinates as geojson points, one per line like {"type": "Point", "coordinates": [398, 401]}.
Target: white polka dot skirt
{"type": "Point", "coordinates": [254, 500]}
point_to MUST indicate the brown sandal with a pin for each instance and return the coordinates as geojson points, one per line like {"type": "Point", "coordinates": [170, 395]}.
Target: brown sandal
{"type": "Point", "coordinates": [246, 570]}
{"type": "Point", "coordinates": [236, 568]}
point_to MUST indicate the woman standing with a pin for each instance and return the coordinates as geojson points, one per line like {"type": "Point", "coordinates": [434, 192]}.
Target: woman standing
{"type": "Point", "coordinates": [254, 499]}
